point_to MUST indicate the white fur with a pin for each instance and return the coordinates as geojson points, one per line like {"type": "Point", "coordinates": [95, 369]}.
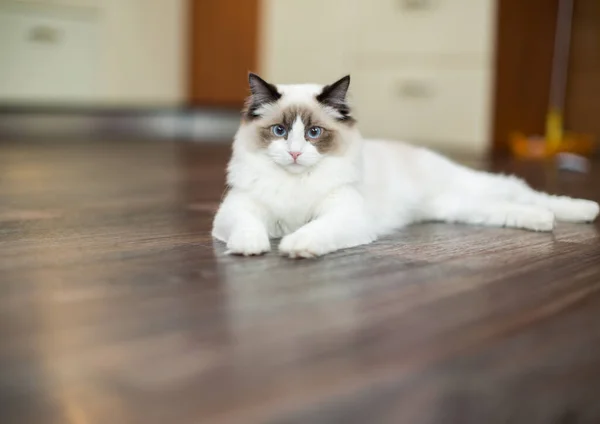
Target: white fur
{"type": "Point", "coordinates": [325, 203]}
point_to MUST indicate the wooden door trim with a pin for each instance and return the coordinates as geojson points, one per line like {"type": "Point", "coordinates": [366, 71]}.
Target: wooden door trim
{"type": "Point", "coordinates": [223, 47]}
{"type": "Point", "coordinates": [523, 63]}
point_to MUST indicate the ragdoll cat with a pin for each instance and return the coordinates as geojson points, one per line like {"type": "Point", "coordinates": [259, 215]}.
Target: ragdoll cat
{"type": "Point", "coordinates": [300, 170]}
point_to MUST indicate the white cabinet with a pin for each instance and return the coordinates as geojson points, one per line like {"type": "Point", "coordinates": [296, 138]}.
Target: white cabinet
{"type": "Point", "coordinates": [96, 52]}
{"type": "Point", "coordinates": [421, 69]}
{"type": "Point", "coordinates": [47, 58]}
{"type": "Point", "coordinates": [446, 108]}
{"type": "Point", "coordinates": [424, 26]}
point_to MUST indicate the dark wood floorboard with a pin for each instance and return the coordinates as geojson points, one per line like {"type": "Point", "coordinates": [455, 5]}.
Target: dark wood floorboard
{"type": "Point", "coordinates": [117, 307]}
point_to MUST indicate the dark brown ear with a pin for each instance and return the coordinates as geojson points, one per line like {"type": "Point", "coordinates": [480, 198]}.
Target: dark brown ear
{"type": "Point", "coordinates": [261, 93]}
{"type": "Point", "coordinates": [334, 96]}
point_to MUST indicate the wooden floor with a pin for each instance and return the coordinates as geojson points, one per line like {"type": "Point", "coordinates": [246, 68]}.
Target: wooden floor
{"type": "Point", "coordinates": [117, 307]}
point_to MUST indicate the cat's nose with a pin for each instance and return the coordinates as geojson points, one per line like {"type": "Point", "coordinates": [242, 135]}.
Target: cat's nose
{"type": "Point", "coordinates": [295, 155]}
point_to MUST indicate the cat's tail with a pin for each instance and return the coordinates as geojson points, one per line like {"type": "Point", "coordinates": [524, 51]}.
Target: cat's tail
{"type": "Point", "coordinates": [514, 190]}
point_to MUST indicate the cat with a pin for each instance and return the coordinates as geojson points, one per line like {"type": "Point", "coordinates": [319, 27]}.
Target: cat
{"type": "Point", "coordinates": [301, 171]}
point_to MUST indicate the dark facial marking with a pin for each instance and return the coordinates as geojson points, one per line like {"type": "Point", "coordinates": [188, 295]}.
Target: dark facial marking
{"type": "Point", "coordinates": [326, 143]}
{"type": "Point", "coordinates": [334, 96]}
{"type": "Point", "coordinates": [291, 114]}
{"type": "Point", "coordinates": [261, 93]}
{"type": "Point", "coordinates": [266, 136]}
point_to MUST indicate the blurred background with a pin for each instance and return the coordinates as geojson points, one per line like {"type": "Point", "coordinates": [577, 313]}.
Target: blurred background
{"type": "Point", "coordinates": [456, 75]}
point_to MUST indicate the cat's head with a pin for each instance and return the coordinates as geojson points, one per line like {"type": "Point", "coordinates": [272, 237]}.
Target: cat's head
{"type": "Point", "coordinates": [297, 126]}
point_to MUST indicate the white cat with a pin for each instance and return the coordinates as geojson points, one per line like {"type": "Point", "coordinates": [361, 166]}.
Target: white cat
{"type": "Point", "coordinates": [301, 170]}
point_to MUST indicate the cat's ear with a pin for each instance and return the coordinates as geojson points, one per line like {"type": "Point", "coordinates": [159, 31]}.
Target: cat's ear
{"type": "Point", "coordinates": [334, 96]}
{"type": "Point", "coordinates": [261, 93]}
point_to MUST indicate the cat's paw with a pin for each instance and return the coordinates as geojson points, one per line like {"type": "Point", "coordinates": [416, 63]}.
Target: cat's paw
{"type": "Point", "coordinates": [248, 242]}
{"type": "Point", "coordinates": [576, 210]}
{"type": "Point", "coordinates": [536, 220]}
{"type": "Point", "coordinates": [303, 244]}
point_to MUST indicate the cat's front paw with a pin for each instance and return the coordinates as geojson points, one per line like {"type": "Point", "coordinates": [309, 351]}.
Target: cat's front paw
{"type": "Point", "coordinates": [536, 220]}
{"type": "Point", "coordinates": [248, 242]}
{"type": "Point", "coordinates": [303, 244]}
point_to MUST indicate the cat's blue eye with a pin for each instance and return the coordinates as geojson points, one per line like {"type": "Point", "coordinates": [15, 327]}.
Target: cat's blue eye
{"type": "Point", "coordinates": [279, 130]}
{"type": "Point", "coordinates": [314, 132]}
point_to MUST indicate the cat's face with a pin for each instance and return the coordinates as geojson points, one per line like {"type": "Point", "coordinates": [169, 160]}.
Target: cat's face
{"type": "Point", "coordinates": [296, 126]}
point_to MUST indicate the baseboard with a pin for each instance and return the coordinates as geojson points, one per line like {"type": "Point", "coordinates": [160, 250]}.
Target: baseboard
{"type": "Point", "coordinates": [144, 123]}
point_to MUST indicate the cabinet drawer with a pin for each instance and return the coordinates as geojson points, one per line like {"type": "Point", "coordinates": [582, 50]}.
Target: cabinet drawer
{"type": "Point", "coordinates": [425, 26]}
{"type": "Point", "coordinates": [442, 108]}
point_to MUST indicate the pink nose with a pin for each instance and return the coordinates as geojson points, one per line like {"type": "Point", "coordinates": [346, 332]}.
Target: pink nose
{"type": "Point", "coordinates": [295, 155]}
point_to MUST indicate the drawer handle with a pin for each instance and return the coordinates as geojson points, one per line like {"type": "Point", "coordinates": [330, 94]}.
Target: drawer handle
{"type": "Point", "coordinates": [415, 89]}
{"type": "Point", "coordinates": [414, 5]}
{"type": "Point", "coordinates": [44, 34]}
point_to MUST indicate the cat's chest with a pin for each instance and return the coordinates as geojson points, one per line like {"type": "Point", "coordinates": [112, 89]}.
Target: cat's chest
{"type": "Point", "coordinates": [291, 203]}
